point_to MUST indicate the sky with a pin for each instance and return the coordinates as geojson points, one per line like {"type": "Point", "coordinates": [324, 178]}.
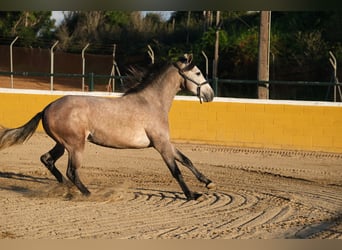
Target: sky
{"type": "Point", "coordinates": [58, 15]}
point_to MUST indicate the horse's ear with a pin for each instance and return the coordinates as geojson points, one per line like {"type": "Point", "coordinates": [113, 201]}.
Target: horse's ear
{"type": "Point", "coordinates": [186, 58]}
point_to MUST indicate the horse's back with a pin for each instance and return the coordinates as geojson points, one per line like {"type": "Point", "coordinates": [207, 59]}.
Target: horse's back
{"type": "Point", "coordinates": [104, 121]}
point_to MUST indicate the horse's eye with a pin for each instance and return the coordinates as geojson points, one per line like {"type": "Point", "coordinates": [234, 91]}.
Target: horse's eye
{"type": "Point", "coordinates": [198, 73]}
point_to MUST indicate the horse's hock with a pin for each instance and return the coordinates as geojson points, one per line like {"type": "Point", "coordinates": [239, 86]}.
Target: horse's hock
{"type": "Point", "coordinates": [292, 125]}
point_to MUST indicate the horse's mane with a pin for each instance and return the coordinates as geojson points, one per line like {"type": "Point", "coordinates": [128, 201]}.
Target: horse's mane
{"type": "Point", "coordinates": [140, 77]}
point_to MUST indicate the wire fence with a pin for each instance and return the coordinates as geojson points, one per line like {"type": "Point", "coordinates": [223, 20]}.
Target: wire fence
{"type": "Point", "coordinates": [285, 90]}
{"type": "Point", "coordinates": [24, 62]}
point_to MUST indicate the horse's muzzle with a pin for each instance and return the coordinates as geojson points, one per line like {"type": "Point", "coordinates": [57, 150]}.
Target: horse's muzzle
{"type": "Point", "coordinates": [208, 96]}
{"type": "Point", "coordinates": [205, 92]}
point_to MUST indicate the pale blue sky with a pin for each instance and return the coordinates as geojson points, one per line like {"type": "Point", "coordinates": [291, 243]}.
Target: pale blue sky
{"type": "Point", "coordinates": [58, 15]}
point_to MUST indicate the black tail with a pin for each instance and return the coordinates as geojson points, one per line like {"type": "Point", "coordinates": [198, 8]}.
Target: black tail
{"type": "Point", "coordinates": [13, 136]}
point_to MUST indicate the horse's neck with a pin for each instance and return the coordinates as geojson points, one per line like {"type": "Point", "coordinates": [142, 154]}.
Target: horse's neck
{"type": "Point", "coordinates": [164, 90]}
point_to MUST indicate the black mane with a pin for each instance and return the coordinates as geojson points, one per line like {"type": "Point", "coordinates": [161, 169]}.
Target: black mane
{"type": "Point", "coordinates": [138, 78]}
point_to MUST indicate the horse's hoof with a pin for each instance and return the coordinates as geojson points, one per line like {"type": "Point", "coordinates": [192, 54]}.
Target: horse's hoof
{"type": "Point", "coordinates": [67, 196]}
{"type": "Point", "coordinates": [193, 196]}
{"type": "Point", "coordinates": [86, 193]}
{"type": "Point", "coordinates": [211, 185]}
{"type": "Point", "coordinates": [197, 197]}
{"type": "Point", "coordinates": [201, 197]}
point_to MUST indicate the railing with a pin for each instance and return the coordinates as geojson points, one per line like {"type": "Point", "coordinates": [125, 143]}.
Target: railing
{"type": "Point", "coordinates": [90, 76]}
{"type": "Point", "coordinates": [324, 91]}
{"type": "Point", "coordinates": [217, 84]}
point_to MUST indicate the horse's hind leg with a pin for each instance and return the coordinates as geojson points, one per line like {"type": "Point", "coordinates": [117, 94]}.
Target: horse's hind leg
{"type": "Point", "coordinates": [187, 163]}
{"type": "Point", "coordinates": [49, 159]}
{"type": "Point", "coordinates": [74, 162]}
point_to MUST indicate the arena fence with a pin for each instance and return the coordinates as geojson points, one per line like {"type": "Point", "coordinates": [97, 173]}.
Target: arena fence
{"type": "Point", "coordinates": [291, 125]}
{"type": "Point", "coordinates": [285, 90]}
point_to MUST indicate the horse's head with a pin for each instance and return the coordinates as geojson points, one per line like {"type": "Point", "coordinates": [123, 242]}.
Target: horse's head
{"type": "Point", "coordinates": [194, 81]}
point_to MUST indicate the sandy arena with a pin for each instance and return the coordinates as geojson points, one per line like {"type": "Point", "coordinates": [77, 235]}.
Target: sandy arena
{"type": "Point", "coordinates": [260, 194]}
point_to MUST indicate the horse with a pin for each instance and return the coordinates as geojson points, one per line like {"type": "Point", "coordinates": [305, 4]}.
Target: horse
{"type": "Point", "coordinates": [137, 119]}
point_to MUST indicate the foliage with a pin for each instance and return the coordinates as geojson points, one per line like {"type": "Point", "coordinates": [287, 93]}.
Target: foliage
{"type": "Point", "coordinates": [31, 27]}
{"type": "Point", "coordinates": [208, 39]}
{"type": "Point", "coordinates": [300, 41]}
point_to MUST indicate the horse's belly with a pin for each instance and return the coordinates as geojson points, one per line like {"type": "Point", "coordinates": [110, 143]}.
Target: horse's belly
{"type": "Point", "coordinates": [136, 139]}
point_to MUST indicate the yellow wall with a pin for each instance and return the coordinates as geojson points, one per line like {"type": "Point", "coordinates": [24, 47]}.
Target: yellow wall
{"type": "Point", "coordinates": [268, 124]}
{"type": "Point", "coordinates": [17, 109]}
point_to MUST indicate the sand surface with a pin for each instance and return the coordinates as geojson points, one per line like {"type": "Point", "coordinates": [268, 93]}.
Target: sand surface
{"type": "Point", "coordinates": [261, 193]}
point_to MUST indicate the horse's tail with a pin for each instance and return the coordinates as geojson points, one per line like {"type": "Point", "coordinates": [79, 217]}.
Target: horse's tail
{"type": "Point", "coordinates": [13, 136]}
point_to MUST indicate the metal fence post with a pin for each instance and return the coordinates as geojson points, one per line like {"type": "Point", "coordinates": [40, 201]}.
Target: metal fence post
{"type": "Point", "coordinates": [91, 81]}
{"type": "Point", "coordinates": [52, 65]}
{"type": "Point", "coordinates": [11, 59]}
{"type": "Point", "coordinates": [83, 64]}
{"type": "Point", "coordinates": [215, 86]}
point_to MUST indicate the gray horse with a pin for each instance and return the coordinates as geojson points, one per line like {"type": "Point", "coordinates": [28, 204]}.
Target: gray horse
{"type": "Point", "coordinates": [138, 119]}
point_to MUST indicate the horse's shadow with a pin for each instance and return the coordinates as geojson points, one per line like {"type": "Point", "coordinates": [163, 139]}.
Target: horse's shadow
{"type": "Point", "coordinates": [148, 194]}
{"type": "Point", "coordinates": [23, 177]}
{"type": "Point", "coordinates": [22, 189]}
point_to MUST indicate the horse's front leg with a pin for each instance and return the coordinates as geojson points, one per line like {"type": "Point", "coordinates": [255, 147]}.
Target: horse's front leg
{"type": "Point", "coordinates": [187, 163]}
{"type": "Point", "coordinates": [167, 152]}
{"type": "Point", "coordinates": [179, 177]}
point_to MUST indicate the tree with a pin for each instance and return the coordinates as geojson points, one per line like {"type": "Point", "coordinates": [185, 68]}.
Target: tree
{"type": "Point", "coordinates": [80, 27]}
{"type": "Point", "coordinates": [96, 27]}
{"type": "Point", "coordinates": [30, 26]}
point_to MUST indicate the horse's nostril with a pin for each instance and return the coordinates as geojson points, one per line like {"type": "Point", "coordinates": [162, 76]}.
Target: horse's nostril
{"type": "Point", "coordinates": [208, 96]}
